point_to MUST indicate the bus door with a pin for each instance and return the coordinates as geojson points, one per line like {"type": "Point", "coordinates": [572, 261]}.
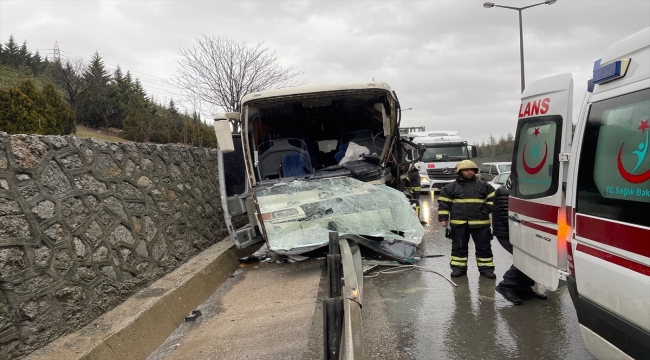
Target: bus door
{"type": "Point", "coordinates": [235, 194]}
{"type": "Point", "coordinates": [539, 168]}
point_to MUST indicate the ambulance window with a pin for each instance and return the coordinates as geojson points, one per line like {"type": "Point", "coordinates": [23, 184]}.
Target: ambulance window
{"type": "Point", "coordinates": [614, 173]}
{"type": "Point", "coordinates": [535, 153]}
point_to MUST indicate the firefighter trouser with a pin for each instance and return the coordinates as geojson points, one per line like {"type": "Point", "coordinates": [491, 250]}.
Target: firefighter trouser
{"type": "Point", "coordinates": [415, 197]}
{"type": "Point", "coordinates": [459, 247]}
{"type": "Point", "coordinates": [513, 277]}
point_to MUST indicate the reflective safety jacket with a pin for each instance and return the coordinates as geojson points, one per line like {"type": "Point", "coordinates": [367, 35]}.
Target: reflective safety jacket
{"type": "Point", "coordinates": [466, 202]}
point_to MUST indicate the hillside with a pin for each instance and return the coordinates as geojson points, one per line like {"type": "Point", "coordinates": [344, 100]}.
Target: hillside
{"type": "Point", "coordinates": [11, 76]}
{"type": "Point", "coordinates": [110, 134]}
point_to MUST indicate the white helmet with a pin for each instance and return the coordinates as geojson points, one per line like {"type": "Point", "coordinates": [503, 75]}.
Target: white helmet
{"type": "Point", "coordinates": [418, 166]}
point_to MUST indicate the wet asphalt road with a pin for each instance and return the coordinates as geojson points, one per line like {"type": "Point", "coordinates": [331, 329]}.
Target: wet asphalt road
{"type": "Point", "coordinates": [431, 319]}
{"type": "Point", "coordinates": [273, 311]}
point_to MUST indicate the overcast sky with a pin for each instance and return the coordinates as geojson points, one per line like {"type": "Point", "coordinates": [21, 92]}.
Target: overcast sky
{"type": "Point", "coordinates": [455, 63]}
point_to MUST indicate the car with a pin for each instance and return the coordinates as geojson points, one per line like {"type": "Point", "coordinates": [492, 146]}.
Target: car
{"type": "Point", "coordinates": [499, 180]}
{"type": "Point", "coordinates": [487, 171]}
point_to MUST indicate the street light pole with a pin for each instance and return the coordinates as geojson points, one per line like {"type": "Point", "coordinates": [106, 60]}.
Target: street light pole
{"type": "Point", "coordinates": [489, 5]}
{"type": "Point", "coordinates": [521, 53]}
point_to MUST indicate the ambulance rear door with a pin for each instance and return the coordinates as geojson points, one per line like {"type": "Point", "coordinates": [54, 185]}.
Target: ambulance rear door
{"type": "Point", "coordinates": [539, 168]}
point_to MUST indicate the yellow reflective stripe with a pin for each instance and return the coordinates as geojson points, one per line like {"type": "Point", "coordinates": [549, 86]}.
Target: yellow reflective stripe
{"type": "Point", "coordinates": [443, 212]}
{"type": "Point", "coordinates": [458, 222]}
{"type": "Point", "coordinates": [469, 201]}
{"type": "Point", "coordinates": [491, 194]}
{"type": "Point", "coordinates": [490, 203]}
{"type": "Point", "coordinates": [417, 188]}
{"type": "Point", "coordinates": [457, 263]}
{"type": "Point", "coordinates": [478, 222]}
{"type": "Point", "coordinates": [459, 258]}
{"type": "Point", "coordinates": [485, 262]}
{"type": "Point", "coordinates": [442, 198]}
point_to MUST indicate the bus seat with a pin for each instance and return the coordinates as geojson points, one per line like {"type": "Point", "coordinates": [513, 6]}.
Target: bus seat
{"type": "Point", "coordinates": [269, 163]}
{"type": "Point", "coordinates": [295, 165]}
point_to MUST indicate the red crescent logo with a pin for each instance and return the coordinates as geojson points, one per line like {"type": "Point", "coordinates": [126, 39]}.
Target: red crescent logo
{"type": "Point", "coordinates": [634, 179]}
{"type": "Point", "coordinates": [536, 169]}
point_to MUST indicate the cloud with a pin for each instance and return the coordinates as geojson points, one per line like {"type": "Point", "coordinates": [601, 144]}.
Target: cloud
{"type": "Point", "coordinates": [454, 62]}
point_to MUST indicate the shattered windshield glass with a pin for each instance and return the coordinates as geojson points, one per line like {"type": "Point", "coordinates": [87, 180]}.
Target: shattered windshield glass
{"type": "Point", "coordinates": [299, 215]}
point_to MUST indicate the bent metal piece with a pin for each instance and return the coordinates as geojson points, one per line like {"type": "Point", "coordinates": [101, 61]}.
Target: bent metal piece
{"type": "Point", "coordinates": [352, 339]}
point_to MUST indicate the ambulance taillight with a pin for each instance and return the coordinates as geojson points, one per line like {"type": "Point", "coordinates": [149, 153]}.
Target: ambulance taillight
{"type": "Point", "coordinates": [564, 233]}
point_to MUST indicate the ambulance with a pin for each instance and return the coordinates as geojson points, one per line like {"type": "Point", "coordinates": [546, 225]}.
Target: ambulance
{"type": "Point", "coordinates": [579, 210]}
{"type": "Point", "coordinates": [442, 151]}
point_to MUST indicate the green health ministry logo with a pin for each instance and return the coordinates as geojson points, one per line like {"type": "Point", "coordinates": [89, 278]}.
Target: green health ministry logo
{"type": "Point", "coordinates": [641, 153]}
{"type": "Point", "coordinates": [532, 170]}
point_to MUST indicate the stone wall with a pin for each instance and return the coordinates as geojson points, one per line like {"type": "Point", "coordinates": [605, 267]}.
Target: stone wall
{"type": "Point", "coordinates": [86, 223]}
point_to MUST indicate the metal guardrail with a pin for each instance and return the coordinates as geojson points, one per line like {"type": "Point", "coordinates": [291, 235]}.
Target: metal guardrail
{"type": "Point", "coordinates": [352, 340]}
{"type": "Point", "coordinates": [342, 325]}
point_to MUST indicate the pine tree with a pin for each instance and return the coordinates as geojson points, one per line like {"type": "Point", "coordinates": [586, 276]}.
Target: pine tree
{"type": "Point", "coordinates": [35, 63]}
{"type": "Point", "coordinates": [11, 53]}
{"type": "Point", "coordinates": [57, 110]}
{"type": "Point", "coordinates": [5, 111]}
{"type": "Point", "coordinates": [24, 56]}
{"type": "Point", "coordinates": [21, 115]}
{"type": "Point", "coordinates": [97, 107]}
{"type": "Point", "coordinates": [119, 98]}
{"type": "Point", "coordinates": [492, 140]}
{"type": "Point", "coordinates": [176, 116]}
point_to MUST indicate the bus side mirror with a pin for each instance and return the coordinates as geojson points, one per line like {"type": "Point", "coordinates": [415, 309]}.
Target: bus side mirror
{"type": "Point", "coordinates": [474, 153]}
{"type": "Point", "coordinates": [222, 131]}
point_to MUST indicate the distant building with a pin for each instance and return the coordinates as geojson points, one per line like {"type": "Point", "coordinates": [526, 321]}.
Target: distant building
{"type": "Point", "coordinates": [403, 131]}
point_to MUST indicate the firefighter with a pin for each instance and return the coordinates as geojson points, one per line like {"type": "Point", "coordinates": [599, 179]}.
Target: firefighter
{"type": "Point", "coordinates": [465, 204]}
{"type": "Point", "coordinates": [414, 186]}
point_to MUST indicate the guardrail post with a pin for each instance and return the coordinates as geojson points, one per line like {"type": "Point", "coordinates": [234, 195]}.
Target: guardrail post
{"type": "Point", "coordinates": [333, 305]}
{"type": "Point", "coordinates": [334, 266]}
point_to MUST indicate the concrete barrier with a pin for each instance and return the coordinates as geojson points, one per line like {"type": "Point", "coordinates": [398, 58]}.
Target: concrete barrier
{"type": "Point", "coordinates": [137, 327]}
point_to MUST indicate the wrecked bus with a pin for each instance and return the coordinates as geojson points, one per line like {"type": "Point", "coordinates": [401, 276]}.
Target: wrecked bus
{"type": "Point", "coordinates": [314, 159]}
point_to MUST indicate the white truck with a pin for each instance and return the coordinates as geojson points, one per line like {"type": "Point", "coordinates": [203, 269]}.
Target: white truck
{"type": "Point", "coordinates": [443, 150]}
{"type": "Point", "coordinates": [314, 159]}
{"type": "Point", "coordinates": [579, 209]}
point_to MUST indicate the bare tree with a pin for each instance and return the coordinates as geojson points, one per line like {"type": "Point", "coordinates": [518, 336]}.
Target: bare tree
{"type": "Point", "coordinates": [72, 77]}
{"type": "Point", "coordinates": [220, 72]}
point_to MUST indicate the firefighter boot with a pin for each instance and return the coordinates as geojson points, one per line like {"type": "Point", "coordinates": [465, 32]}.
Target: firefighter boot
{"type": "Point", "coordinates": [489, 274]}
{"type": "Point", "coordinates": [509, 294]}
{"type": "Point", "coordinates": [458, 273]}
